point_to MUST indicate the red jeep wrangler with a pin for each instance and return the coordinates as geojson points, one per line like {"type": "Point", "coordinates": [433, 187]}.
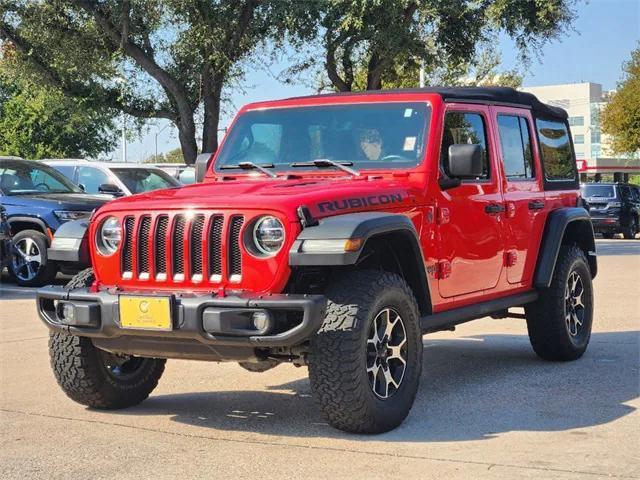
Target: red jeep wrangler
{"type": "Point", "coordinates": [334, 231]}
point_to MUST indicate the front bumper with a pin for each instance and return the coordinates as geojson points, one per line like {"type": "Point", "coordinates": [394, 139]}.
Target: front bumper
{"type": "Point", "coordinates": [203, 326]}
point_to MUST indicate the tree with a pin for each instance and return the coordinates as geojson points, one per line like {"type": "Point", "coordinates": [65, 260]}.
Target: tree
{"type": "Point", "coordinates": [172, 156]}
{"type": "Point", "coordinates": [166, 59]}
{"type": "Point", "coordinates": [38, 122]}
{"type": "Point", "coordinates": [621, 116]}
{"type": "Point", "coordinates": [482, 70]}
{"type": "Point", "coordinates": [377, 38]}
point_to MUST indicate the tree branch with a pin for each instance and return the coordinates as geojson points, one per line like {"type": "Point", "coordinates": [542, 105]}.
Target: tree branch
{"type": "Point", "coordinates": [108, 97]}
{"type": "Point", "coordinates": [144, 60]}
{"type": "Point", "coordinates": [331, 66]}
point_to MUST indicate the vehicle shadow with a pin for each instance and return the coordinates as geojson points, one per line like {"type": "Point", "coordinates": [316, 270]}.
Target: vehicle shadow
{"type": "Point", "coordinates": [471, 388]}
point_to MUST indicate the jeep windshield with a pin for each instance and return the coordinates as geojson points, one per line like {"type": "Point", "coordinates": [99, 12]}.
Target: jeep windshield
{"type": "Point", "coordinates": [600, 191]}
{"type": "Point", "coordinates": [363, 136]}
{"type": "Point", "coordinates": [23, 177]}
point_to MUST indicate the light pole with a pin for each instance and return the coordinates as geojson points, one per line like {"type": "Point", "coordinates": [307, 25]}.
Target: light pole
{"type": "Point", "coordinates": [122, 81]}
{"type": "Point", "coordinates": [156, 137]}
{"type": "Point", "coordinates": [124, 137]}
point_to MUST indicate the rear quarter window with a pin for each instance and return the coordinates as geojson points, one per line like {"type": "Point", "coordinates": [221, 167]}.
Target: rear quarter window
{"type": "Point", "coordinates": [555, 147]}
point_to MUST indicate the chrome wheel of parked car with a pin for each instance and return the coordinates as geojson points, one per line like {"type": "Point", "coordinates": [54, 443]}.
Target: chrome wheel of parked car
{"type": "Point", "coordinates": [386, 353]}
{"type": "Point", "coordinates": [27, 260]}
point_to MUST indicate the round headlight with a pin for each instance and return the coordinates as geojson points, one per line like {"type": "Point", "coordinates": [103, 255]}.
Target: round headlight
{"type": "Point", "coordinates": [268, 235]}
{"type": "Point", "coordinates": [109, 236]}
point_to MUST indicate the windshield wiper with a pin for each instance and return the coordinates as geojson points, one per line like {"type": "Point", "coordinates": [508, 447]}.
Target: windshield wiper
{"type": "Point", "coordinates": [252, 166]}
{"type": "Point", "coordinates": [325, 162]}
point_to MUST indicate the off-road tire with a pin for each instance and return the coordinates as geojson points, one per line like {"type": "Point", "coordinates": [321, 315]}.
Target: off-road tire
{"type": "Point", "coordinates": [47, 270]}
{"type": "Point", "coordinates": [629, 232]}
{"type": "Point", "coordinates": [338, 359]}
{"type": "Point", "coordinates": [81, 372]}
{"type": "Point", "coordinates": [546, 320]}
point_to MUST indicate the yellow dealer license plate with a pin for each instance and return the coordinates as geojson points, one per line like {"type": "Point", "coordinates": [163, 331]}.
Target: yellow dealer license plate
{"type": "Point", "coordinates": [145, 313]}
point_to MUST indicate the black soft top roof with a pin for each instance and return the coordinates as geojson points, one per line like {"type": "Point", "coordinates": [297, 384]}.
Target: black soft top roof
{"type": "Point", "coordinates": [487, 95]}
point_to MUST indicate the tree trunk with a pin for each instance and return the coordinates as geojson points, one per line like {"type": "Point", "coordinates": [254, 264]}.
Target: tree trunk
{"type": "Point", "coordinates": [211, 98]}
{"type": "Point", "coordinates": [187, 137]}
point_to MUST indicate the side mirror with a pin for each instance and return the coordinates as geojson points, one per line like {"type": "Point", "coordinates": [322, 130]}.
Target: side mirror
{"type": "Point", "coordinates": [465, 161]}
{"type": "Point", "coordinates": [110, 189]}
{"type": "Point", "coordinates": [82, 187]}
{"type": "Point", "coordinates": [202, 162]}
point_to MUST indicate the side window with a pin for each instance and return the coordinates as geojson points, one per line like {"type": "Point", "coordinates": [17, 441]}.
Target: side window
{"type": "Point", "coordinates": [466, 128]}
{"type": "Point", "coordinates": [515, 141]}
{"type": "Point", "coordinates": [67, 170]}
{"type": "Point", "coordinates": [555, 148]}
{"type": "Point", "coordinates": [91, 178]}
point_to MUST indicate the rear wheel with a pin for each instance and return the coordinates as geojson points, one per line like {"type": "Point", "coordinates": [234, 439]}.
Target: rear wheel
{"type": "Point", "coordinates": [559, 322]}
{"type": "Point", "coordinates": [29, 266]}
{"type": "Point", "coordinates": [366, 359]}
{"type": "Point", "coordinates": [97, 378]}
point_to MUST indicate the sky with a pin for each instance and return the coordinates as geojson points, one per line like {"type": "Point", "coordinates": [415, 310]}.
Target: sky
{"type": "Point", "coordinates": [603, 36]}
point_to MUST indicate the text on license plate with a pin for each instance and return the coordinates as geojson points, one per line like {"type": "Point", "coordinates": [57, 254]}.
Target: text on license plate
{"type": "Point", "coordinates": [146, 313]}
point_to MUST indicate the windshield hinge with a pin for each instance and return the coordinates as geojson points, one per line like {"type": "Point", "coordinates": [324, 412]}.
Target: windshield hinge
{"type": "Point", "coordinates": [306, 219]}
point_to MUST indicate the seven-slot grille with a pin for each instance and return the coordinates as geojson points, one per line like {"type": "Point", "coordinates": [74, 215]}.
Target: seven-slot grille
{"type": "Point", "coordinates": [178, 247]}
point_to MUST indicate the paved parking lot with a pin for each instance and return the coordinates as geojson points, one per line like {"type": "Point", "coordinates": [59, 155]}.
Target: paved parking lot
{"type": "Point", "coordinates": [487, 408]}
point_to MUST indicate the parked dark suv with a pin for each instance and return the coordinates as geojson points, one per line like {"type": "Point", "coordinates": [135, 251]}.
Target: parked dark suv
{"type": "Point", "coordinates": [38, 199]}
{"type": "Point", "coordinates": [614, 208]}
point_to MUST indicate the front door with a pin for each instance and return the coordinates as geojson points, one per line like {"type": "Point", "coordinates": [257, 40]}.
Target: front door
{"type": "Point", "coordinates": [469, 216]}
{"type": "Point", "coordinates": [523, 194]}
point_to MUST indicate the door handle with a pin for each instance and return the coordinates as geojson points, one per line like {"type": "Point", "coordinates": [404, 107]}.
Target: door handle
{"type": "Point", "coordinates": [494, 208]}
{"type": "Point", "coordinates": [536, 204]}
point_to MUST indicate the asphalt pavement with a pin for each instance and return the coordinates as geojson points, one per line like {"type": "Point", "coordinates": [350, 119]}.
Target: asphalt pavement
{"type": "Point", "coordinates": [487, 408]}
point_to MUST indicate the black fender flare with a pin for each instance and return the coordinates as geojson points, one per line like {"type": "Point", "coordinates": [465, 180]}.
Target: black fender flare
{"type": "Point", "coordinates": [559, 223]}
{"type": "Point", "coordinates": [70, 243]}
{"type": "Point", "coordinates": [363, 226]}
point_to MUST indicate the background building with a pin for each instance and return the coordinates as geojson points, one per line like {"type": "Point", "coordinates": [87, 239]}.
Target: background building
{"type": "Point", "coordinates": [584, 102]}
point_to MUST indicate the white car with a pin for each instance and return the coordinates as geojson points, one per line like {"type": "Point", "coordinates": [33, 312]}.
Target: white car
{"type": "Point", "coordinates": [112, 178]}
{"type": "Point", "coordinates": [185, 174]}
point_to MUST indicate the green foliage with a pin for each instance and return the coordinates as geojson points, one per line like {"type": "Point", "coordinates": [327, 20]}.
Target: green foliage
{"type": "Point", "coordinates": [38, 122]}
{"type": "Point", "coordinates": [364, 42]}
{"type": "Point", "coordinates": [621, 116]}
{"type": "Point", "coordinates": [166, 59]}
{"type": "Point", "coordinates": [482, 70]}
{"type": "Point", "coordinates": [172, 156]}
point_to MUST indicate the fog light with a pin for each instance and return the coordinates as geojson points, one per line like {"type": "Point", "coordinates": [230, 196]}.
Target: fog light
{"type": "Point", "coordinates": [68, 313]}
{"type": "Point", "coordinates": [261, 321]}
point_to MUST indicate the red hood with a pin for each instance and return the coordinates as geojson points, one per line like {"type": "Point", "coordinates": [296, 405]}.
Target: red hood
{"type": "Point", "coordinates": [324, 196]}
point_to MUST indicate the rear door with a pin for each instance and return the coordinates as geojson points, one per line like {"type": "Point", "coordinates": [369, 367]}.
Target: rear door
{"type": "Point", "coordinates": [471, 244]}
{"type": "Point", "coordinates": [522, 191]}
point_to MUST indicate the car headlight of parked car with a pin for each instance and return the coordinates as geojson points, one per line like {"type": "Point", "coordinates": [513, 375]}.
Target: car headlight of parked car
{"type": "Point", "coordinates": [109, 236]}
{"type": "Point", "coordinates": [68, 215]}
{"type": "Point", "coordinates": [267, 236]}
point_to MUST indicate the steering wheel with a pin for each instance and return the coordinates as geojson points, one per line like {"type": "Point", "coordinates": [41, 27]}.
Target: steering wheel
{"type": "Point", "coordinates": [42, 184]}
{"type": "Point", "coordinates": [391, 158]}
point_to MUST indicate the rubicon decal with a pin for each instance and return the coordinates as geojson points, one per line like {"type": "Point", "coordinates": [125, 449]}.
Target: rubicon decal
{"type": "Point", "coordinates": [359, 202]}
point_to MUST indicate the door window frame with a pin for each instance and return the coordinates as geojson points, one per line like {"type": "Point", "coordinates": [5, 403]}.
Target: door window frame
{"type": "Point", "coordinates": [483, 111]}
{"type": "Point", "coordinates": [533, 137]}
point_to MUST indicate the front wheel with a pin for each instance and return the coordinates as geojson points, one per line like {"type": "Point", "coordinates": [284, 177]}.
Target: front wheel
{"type": "Point", "coordinates": [30, 266]}
{"type": "Point", "coordinates": [366, 359]}
{"type": "Point", "coordinates": [559, 322]}
{"type": "Point", "coordinates": [97, 378]}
